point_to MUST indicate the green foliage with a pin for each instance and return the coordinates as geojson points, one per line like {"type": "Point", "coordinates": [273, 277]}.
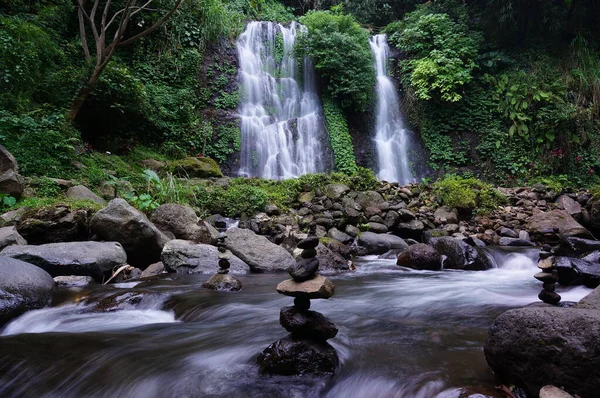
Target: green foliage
{"type": "Point", "coordinates": [467, 193]}
{"type": "Point", "coordinates": [441, 53]}
{"type": "Point", "coordinates": [342, 56]}
{"type": "Point", "coordinates": [263, 10]}
{"type": "Point", "coordinates": [224, 141]}
{"type": "Point", "coordinates": [339, 138]}
{"type": "Point", "coordinates": [159, 191]}
{"type": "Point", "coordinates": [6, 201]}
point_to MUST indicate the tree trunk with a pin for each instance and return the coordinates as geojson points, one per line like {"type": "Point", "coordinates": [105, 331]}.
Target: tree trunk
{"type": "Point", "coordinates": [84, 92]}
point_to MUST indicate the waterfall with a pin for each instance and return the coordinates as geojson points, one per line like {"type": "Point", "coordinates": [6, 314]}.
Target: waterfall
{"type": "Point", "coordinates": [281, 122]}
{"type": "Point", "coordinates": [391, 138]}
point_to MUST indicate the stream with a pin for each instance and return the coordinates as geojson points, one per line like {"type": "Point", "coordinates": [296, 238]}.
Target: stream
{"type": "Point", "coordinates": [402, 333]}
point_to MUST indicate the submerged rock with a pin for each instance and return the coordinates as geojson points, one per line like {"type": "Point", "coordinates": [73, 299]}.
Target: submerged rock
{"type": "Point", "coordinates": [73, 280]}
{"type": "Point", "coordinates": [296, 357]}
{"type": "Point", "coordinates": [307, 324]}
{"type": "Point", "coordinates": [420, 256]}
{"type": "Point", "coordinates": [222, 282]}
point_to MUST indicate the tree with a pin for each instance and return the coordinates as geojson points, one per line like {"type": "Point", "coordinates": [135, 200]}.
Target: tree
{"type": "Point", "coordinates": [108, 37]}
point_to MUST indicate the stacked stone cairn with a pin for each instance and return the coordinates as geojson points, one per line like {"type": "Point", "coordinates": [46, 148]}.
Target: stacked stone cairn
{"type": "Point", "coordinates": [548, 276]}
{"type": "Point", "coordinates": [305, 350]}
{"type": "Point", "coordinates": [222, 280]}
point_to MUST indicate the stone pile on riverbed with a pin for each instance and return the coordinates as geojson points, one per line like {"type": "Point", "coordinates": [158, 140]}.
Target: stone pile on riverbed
{"type": "Point", "coordinates": [548, 276]}
{"type": "Point", "coordinates": [222, 280]}
{"type": "Point", "coordinates": [305, 350]}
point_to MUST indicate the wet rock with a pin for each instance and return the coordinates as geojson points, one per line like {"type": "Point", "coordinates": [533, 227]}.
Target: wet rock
{"type": "Point", "coordinates": [258, 252]}
{"type": "Point", "coordinates": [304, 269]}
{"type": "Point", "coordinates": [122, 223]}
{"type": "Point", "coordinates": [338, 235]}
{"type": "Point", "coordinates": [329, 261]}
{"type": "Point", "coordinates": [290, 357]}
{"type": "Point", "coordinates": [9, 236]}
{"type": "Point", "coordinates": [80, 192]}
{"type": "Point", "coordinates": [507, 232]}
{"type": "Point", "coordinates": [183, 223]}
{"type": "Point", "coordinates": [308, 243]}
{"type": "Point", "coordinates": [223, 282]}
{"type": "Point", "coordinates": [577, 246]}
{"type": "Point", "coordinates": [546, 277]}
{"type": "Point", "coordinates": [516, 242]}
{"type": "Point", "coordinates": [73, 280]}
{"type": "Point", "coordinates": [335, 191]}
{"type": "Point", "coordinates": [420, 256]}
{"type": "Point", "coordinates": [95, 259]}
{"type": "Point", "coordinates": [535, 346]}
{"type": "Point", "coordinates": [317, 288]}
{"type": "Point", "coordinates": [186, 257]}
{"type": "Point", "coordinates": [380, 243]}
{"type": "Point", "coordinates": [154, 269]}
{"type": "Point", "coordinates": [54, 224]}
{"type": "Point", "coordinates": [551, 226]}
{"type": "Point", "coordinates": [549, 296]}
{"type": "Point", "coordinates": [307, 324]}
{"type": "Point", "coordinates": [460, 255]}
{"type": "Point", "coordinates": [23, 287]}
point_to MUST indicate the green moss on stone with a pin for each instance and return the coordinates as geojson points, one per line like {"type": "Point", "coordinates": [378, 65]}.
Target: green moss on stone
{"type": "Point", "coordinates": [196, 168]}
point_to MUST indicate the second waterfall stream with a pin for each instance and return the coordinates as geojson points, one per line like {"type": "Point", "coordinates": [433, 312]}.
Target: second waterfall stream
{"type": "Point", "coordinates": [391, 137]}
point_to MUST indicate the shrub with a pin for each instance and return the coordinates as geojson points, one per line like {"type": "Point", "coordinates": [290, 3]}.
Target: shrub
{"type": "Point", "coordinates": [467, 193]}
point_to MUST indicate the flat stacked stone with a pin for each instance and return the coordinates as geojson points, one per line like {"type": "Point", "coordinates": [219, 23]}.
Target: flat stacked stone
{"type": "Point", "coordinates": [222, 280]}
{"type": "Point", "coordinates": [548, 276]}
{"type": "Point", "coordinates": [305, 350]}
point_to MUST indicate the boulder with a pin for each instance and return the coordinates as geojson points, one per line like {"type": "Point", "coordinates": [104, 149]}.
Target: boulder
{"type": "Point", "coordinates": [335, 191]}
{"type": "Point", "coordinates": [296, 357]}
{"type": "Point", "coordinates": [186, 257]}
{"type": "Point", "coordinates": [307, 324]}
{"type": "Point", "coordinates": [460, 255]}
{"type": "Point", "coordinates": [202, 167]}
{"type": "Point", "coordinates": [411, 230]}
{"type": "Point", "coordinates": [257, 251]}
{"type": "Point", "coordinates": [11, 183]}
{"type": "Point", "coordinates": [73, 280]}
{"type": "Point", "coordinates": [79, 192]}
{"type": "Point", "coordinates": [446, 215]}
{"type": "Point", "coordinates": [507, 232]}
{"type": "Point", "coordinates": [420, 256]}
{"type": "Point", "coordinates": [368, 199]}
{"type": "Point", "coordinates": [571, 206]}
{"type": "Point", "coordinates": [555, 225]}
{"type": "Point", "coordinates": [304, 269]}
{"type": "Point", "coordinates": [578, 246]}
{"type": "Point", "coordinates": [377, 227]}
{"type": "Point", "coordinates": [23, 287]}
{"type": "Point", "coordinates": [391, 219]}
{"type": "Point", "coordinates": [9, 236]}
{"type": "Point", "coordinates": [380, 243]}
{"type": "Point", "coordinates": [330, 261]}
{"type": "Point", "coordinates": [154, 269]}
{"type": "Point", "coordinates": [506, 241]}
{"type": "Point", "coordinates": [183, 223]}
{"type": "Point", "coordinates": [54, 224]}
{"type": "Point", "coordinates": [95, 259]}
{"type": "Point", "coordinates": [537, 346]}
{"type": "Point", "coordinates": [336, 234]}
{"type": "Point", "coordinates": [122, 223]}
{"type": "Point", "coordinates": [223, 282]}
{"type": "Point", "coordinates": [317, 288]}
{"type": "Point", "coordinates": [12, 217]}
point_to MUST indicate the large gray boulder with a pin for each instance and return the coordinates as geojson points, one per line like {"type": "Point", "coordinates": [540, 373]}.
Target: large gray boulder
{"type": "Point", "coordinates": [335, 191]}
{"type": "Point", "coordinates": [80, 192]}
{"type": "Point", "coordinates": [381, 243]}
{"type": "Point", "coordinates": [257, 251]}
{"type": "Point", "coordinates": [186, 257]}
{"type": "Point", "coordinates": [95, 259]}
{"type": "Point", "coordinates": [555, 225]}
{"type": "Point", "coordinates": [23, 287]}
{"type": "Point", "coordinates": [11, 183]}
{"type": "Point", "coordinates": [9, 236]}
{"type": "Point", "coordinates": [368, 199]}
{"type": "Point", "coordinates": [122, 223]}
{"type": "Point", "coordinates": [420, 256]}
{"type": "Point", "coordinates": [571, 206]}
{"type": "Point", "coordinates": [446, 215]}
{"type": "Point", "coordinates": [460, 255]}
{"type": "Point", "coordinates": [54, 224]}
{"type": "Point", "coordinates": [536, 346]}
{"type": "Point", "coordinates": [183, 223]}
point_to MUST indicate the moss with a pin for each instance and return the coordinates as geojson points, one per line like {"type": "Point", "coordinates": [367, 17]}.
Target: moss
{"type": "Point", "coordinates": [43, 203]}
{"type": "Point", "coordinates": [467, 193]}
{"type": "Point", "coordinates": [202, 167]}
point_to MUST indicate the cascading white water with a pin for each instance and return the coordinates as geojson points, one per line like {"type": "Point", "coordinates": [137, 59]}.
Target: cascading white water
{"type": "Point", "coordinates": [281, 123]}
{"type": "Point", "coordinates": [391, 137]}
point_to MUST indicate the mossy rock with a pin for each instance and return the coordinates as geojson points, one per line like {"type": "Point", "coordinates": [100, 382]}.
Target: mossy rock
{"type": "Point", "coordinates": [196, 168]}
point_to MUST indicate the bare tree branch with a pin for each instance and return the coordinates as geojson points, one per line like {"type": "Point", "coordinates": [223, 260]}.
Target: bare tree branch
{"type": "Point", "coordinates": [153, 27]}
{"type": "Point", "coordinates": [82, 33]}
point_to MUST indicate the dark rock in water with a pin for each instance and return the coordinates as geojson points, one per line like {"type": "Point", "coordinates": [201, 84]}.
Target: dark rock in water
{"type": "Point", "coordinates": [549, 286]}
{"type": "Point", "coordinates": [434, 233]}
{"type": "Point", "coordinates": [536, 346]}
{"type": "Point", "coordinates": [336, 234]}
{"type": "Point", "coordinates": [546, 277]}
{"type": "Point", "coordinates": [23, 287]}
{"type": "Point", "coordinates": [551, 226]}
{"type": "Point", "coordinates": [154, 269]}
{"type": "Point", "coordinates": [54, 224]}
{"type": "Point", "coordinates": [95, 259]}
{"type": "Point", "coordinates": [307, 324]}
{"type": "Point", "coordinates": [295, 357]}
{"type": "Point", "coordinates": [308, 253]}
{"type": "Point", "coordinates": [380, 243]}
{"type": "Point", "coordinates": [223, 282]}
{"type": "Point", "coordinates": [549, 297]}
{"type": "Point", "coordinates": [505, 241]}
{"type": "Point", "coordinates": [73, 280]}
{"type": "Point", "coordinates": [575, 270]}
{"type": "Point", "coordinates": [460, 255]}
{"type": "Point", "coordinates": [330, 261]}
{"type": "Point", "coordinates": [304, 269]}
{"type": "Point", "coordinates": [581, 246]}
{"type": "Point", "coordinates": [122, 223]}
{"type": "Point", "coordinates": [377, 227]}
{"type": "Point", "coordinates": [593, 257]}
{"type": "Point", "coordinates": [308, 243]}
{"type": "Point", "coordinates": [302, 303]}
{"type": "Point", "coordinates": [420, 256]}
{"type": "Point", "coordinates": [565, 271]}
{"type": "Point", "coordinates": [507, 232]}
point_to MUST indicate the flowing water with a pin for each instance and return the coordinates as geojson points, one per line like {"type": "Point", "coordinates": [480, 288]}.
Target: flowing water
{"type": "Point", "coordinates": [403, 333]}
{"type": "Point", "coordinates": [391, 137]}
{"type": "Point", "coordinates": [281, 116]}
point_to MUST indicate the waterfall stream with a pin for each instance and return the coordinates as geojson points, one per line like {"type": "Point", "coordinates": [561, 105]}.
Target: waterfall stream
{"type": "Point", "coordinates": [281, 116]}
{"type": "Point", "coordinates": [391, 137]}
